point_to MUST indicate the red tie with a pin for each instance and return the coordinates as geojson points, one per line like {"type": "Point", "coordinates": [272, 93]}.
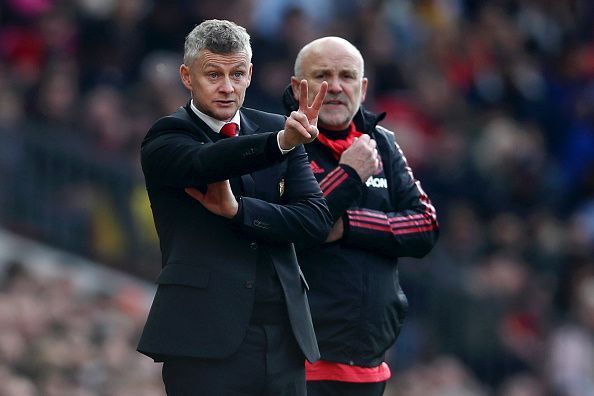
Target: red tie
{"type": "Point", "coordinates": [229, 130]}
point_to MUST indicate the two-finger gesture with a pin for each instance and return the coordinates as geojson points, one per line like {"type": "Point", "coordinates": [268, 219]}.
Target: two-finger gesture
{"type": "Point", "coordinates": [301, 126]}
{"type": "Point", "coordinates": [311, 112]}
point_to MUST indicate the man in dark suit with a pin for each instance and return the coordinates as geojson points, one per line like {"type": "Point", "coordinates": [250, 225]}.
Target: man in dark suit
{"type": "Point", "coordinates": [230, 316]}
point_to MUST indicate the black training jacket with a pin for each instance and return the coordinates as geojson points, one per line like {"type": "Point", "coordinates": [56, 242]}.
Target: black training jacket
{"type": "Point", "coordinates": [355, 296]}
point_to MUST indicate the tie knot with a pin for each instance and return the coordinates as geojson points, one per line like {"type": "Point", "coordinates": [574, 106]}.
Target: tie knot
{"type": "Point", "coordinates": [229, 129]}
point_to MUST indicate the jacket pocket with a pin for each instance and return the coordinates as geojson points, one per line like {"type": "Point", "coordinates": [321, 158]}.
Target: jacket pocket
{"type": "Point", "coordinates": [184, 275]}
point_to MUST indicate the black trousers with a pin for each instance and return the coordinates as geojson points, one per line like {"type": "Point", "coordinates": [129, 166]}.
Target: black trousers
{"type": "Point", "coordinates": [336, 388]}
{"type": "Point", "coordinates": [269, 362]}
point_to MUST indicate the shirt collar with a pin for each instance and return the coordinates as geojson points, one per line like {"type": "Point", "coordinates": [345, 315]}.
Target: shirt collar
{"type": "Point", "coordinates": [213, 123]}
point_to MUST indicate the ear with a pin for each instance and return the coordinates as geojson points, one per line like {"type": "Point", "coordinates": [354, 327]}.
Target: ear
{"type": "Point", "coordinates": [184, 73]}
{"type": "Point", "coordinates": [295, 87]}
{"type": "Point", "coordinates": [363, 89]}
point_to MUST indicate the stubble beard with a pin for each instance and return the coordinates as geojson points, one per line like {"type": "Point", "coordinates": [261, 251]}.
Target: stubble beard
{"type": "Point", "coordinates": [334, 120]}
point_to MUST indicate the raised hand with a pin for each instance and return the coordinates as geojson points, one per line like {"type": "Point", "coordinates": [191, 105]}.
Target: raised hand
{"type": "Point", "coordinates": [301, 126]}
{"type": "Point", "coordinates": [218, 198]}
{"type": "Point", "coordinates": [362, 157]}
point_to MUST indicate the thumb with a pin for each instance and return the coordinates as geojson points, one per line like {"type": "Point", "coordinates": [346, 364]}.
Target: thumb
{"type": "Point", "coordinates": [194, 193]}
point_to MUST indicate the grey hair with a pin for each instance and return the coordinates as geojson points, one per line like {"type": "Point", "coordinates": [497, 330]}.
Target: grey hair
{"type": "Point", "coordinates": [217, 36]}
{"type": "Point", "coordinates": [314, 46]}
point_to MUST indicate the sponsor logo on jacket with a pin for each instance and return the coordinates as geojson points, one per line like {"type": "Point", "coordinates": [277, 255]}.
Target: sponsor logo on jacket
{"type": "Point", "coordinates": [377, 182]}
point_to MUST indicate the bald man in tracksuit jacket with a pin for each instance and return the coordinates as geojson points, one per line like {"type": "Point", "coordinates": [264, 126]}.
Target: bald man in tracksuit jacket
{"type": "Point", "coordinates": [356, 301]}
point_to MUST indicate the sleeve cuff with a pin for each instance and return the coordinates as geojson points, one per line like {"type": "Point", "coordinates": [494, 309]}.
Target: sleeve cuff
{"type": "Point", "coordinates": [352, 173]}
{"type": "Point", "coordinates": [282, 150]}
{"type": "Point", "coordinates": [238, 218]}
{"type": "Point", "coordinates": [273, 149]}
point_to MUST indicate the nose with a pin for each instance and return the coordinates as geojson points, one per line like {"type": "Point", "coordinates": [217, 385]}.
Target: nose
{"type": "Point", "coordinates": [226, 85]}
{"type": "Point", "coordinates": [334, 85]}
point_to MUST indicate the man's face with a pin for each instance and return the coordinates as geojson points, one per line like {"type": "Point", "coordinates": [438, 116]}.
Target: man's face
{"type": "Point", "coordinates": [218, 82]}
{"type": "Point", "coordinates": [341, 67]}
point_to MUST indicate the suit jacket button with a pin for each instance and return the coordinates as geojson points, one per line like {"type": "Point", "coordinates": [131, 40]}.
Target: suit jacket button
{"type": "Point", "coordinates": [253, 245]}
{"type": "Point", "coordinates": [249, 285]}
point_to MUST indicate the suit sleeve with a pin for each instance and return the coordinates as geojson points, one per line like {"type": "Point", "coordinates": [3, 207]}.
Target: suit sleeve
{"type": "Point", "coordinates": [409, 230]}
{"type": "Point", "coordinates": [172, 156]}
{"type": "Point", "coordinates": [301, 216]}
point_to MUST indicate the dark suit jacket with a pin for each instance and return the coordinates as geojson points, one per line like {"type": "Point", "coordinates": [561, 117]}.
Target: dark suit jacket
{"type": "Point", "coordinates": [205, 293]}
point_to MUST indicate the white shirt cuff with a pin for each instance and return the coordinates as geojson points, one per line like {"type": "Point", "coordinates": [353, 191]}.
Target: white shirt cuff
{"type": "Point", "coordinates": [283, 151]}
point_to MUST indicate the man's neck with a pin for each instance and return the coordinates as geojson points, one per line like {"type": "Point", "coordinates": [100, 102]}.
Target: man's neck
{"type": "Point", "coordinates": [335, 133]}
{"type": "Point", "coordinates": [212, 122]}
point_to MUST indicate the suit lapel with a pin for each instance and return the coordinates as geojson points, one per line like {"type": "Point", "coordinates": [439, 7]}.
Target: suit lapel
{"type": "Point", "coordinates": [248, 127]}
{"type": "Point", "coordinates": [200, 128]}
{"type": "Point", "coordinates": [238, 186]}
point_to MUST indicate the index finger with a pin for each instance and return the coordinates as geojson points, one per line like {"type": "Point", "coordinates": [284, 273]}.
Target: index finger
{"type": "Point", "coordinates": [303, 93]}
{"type": "Point", "coordinates": [319, 99]}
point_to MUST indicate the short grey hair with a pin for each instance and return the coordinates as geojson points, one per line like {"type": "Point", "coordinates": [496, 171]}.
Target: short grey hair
{"type": "Point", "coordinates": [217, 36]}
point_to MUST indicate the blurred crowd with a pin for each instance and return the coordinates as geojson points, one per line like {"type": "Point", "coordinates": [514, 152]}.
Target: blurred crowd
{"type": "Point", "coordinates": [491, 101]}
{"type": "Point", "coordinates": [59, 339]}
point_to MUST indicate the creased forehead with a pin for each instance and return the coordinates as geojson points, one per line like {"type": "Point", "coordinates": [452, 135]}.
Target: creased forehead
{"type": "Point", "coordinates": [207, 58]}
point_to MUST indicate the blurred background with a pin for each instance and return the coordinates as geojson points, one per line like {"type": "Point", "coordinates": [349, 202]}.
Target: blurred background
{"type": "Point", "coordinates": [491, 101]}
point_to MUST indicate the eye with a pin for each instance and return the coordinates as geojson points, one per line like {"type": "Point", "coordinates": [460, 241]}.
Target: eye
{"type": "Point", "coordinates": [238, 74]}
{"type": "Point", "coordinates": [212, 75]}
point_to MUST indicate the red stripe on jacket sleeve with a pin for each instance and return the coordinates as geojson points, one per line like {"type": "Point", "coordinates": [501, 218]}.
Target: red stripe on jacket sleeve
{"type": "Point", "coordinates": [399, 225]}
{"type": "Point", "coordinates": [333, 180]}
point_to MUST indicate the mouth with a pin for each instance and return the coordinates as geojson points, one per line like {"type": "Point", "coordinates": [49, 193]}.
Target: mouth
{"type": "Point", "coordinates": [225, 102]}
{"type": "Point", "coordinates": [333, 102]}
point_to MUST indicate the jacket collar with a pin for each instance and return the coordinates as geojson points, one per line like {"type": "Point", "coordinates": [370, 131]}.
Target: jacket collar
{"type": "Point", "coordinates": [248, 126]}
{"type": "Point", "coordinates": [212, 122]}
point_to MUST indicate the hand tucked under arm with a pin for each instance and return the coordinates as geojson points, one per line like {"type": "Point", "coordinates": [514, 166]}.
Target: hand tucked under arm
{"type": "Point", "coordinates": [336, 232]}
{"type": "Point", "coordinates": [218, 198]}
